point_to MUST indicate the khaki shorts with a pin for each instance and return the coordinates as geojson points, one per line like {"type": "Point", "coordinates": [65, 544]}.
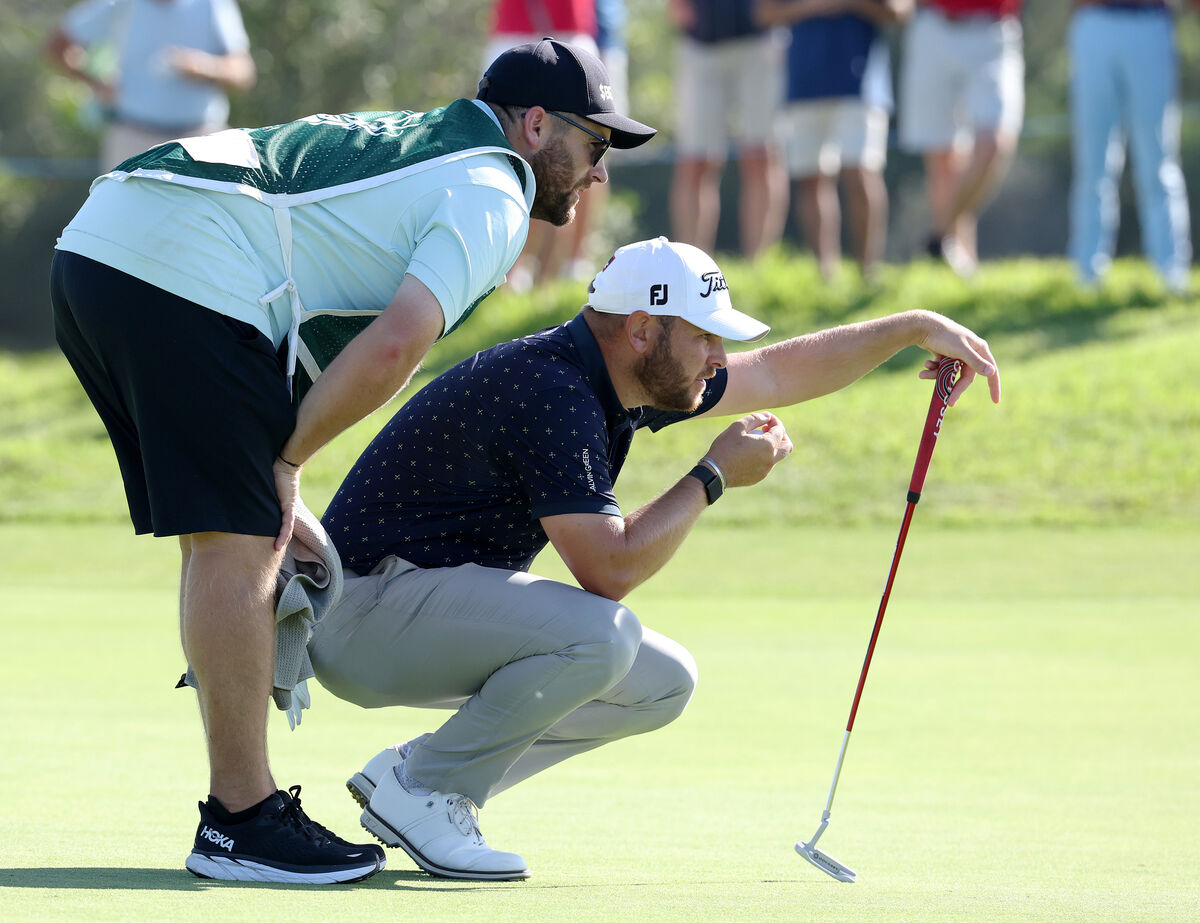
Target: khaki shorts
{"type": "Point", "coordinates": [122, 140]}
{"type": "Point", "coordinates": [824, 135]}
{"type": "Point", "coordinates": [727, 92]}
{"type": "Point", "coordinates": [960, 77]}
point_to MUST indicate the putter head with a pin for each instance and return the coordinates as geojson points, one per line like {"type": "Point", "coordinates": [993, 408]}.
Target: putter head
{"type": "Point", "coordinates": [825, 862]}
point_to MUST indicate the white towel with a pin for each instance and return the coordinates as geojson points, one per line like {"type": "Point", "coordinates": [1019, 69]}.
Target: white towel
{"type": "Point", "coordinates": [309, 585]}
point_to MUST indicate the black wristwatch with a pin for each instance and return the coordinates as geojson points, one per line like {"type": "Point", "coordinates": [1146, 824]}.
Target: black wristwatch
{"type": "Point", "coordinates": [712, 484]}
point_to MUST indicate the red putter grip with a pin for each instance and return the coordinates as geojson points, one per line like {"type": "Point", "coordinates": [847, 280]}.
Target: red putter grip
{"type": "Point", "coordinates": [947, 374]}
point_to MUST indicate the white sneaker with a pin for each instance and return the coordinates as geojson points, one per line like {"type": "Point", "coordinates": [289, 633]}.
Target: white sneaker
{"type": "Point", "coordinates": [362, 784]}
{"type": "Point", "coordinates": [439, 831]}
{"type": "Point", "coordinates": [958, 259]}
{"type": "Point", "coordinates": [1178, 282]}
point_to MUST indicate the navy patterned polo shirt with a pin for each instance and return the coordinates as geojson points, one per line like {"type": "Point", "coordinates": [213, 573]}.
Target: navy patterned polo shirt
{"type": "Point", "coordinates": [464, 470]}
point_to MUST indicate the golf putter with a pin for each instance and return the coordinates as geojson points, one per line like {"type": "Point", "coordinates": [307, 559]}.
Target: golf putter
{"type": "Point", "coordinates": [947, 373]}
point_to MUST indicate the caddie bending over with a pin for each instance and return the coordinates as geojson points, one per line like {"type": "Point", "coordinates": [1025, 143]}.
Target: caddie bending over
{"type": "Point", "coordinates": [207, 282]}
{"type": "Point", "coordinates": [442, 515]}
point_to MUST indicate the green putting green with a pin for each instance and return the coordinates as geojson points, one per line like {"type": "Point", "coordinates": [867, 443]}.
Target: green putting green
{"type": "Point", "coordinates": [1026, 748]}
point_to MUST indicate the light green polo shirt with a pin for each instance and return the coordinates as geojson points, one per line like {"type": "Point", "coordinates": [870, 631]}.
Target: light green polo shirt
{"type": "Point", "coordinates": [457, 226]}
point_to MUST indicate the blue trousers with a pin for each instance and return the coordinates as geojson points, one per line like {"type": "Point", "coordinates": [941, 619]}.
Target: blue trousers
{"type": "Point", "coordinates": [1125, 90]}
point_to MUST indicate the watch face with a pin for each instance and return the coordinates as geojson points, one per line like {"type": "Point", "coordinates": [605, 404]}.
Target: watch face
{"type": "Point", "coordinates": [712, 484]}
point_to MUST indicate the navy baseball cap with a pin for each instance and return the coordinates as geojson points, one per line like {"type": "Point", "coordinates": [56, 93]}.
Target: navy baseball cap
{"type": "Point", "coordinates": [555, 75]}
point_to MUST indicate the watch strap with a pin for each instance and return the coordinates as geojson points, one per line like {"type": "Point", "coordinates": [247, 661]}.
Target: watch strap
{"type": "Point", "coordinates": [712, 484]}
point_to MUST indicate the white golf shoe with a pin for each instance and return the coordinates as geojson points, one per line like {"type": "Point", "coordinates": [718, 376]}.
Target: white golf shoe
{"type": "Point", "coordinates": [362, 783]}
{"type": "Point", "coordinates": [438, 830]}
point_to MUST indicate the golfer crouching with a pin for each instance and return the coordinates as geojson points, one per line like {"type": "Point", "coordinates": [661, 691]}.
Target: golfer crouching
{"type": "Point", "coordinates": [441, 517]}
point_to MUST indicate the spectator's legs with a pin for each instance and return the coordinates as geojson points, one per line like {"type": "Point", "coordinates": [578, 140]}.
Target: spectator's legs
{"type": "Point", "coordinates": [867, 205]}
{"type": "Point", "coordinates": [1097, 145]}
{"type": "Point", "coordinates": [931, 86]}
{"type": "Point", "coordinates": [696, 202]}
{"type": "Point", "coordinates": [590, 217]}
{"type": "Point", "coordinates": [973, 186]}
{"type": "Point", "coordinates": [523, 274]}
{"type": "Point", "coordinates": [550, 252]}
{"type": "Point", "coordinates": [701, 143]}
{"type": "Point", "coordinates": [227, 625]}
{"type": "Point", "coordinates": [972, 74]}
{"type": "Point", "coordinates": [1152, 79]}
{"type": "Point", "coordinates": [762, 209]}
{"type": "Point", "coordinates": [820, 216]}
{"type": "Point", "coordinates": [943, 169]}
{"type": "Point", "coordinates": [576, 262]}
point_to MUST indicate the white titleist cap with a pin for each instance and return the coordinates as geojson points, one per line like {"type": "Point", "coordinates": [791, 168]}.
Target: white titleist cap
{"type": "Point", "coordinates": [662, 277]}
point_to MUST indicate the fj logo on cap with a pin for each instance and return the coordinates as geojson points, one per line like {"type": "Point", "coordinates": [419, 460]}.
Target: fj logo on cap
{"type": "Point", "coordinates": [716, 283]}
{"type": "Point", "coordinates": [658, 294]}
{"type": "Point", "coordinates": [606, 92]}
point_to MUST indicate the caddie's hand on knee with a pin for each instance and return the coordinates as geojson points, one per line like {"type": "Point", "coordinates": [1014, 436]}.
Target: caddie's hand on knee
{"type": "Point", "coordinates": [748, 449]}
{"type": "Point", "coordinates": [287, 486]}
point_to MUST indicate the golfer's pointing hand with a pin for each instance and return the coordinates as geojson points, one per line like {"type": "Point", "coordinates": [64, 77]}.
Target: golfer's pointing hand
{"type": "Point", "coordinates": [748, 449]}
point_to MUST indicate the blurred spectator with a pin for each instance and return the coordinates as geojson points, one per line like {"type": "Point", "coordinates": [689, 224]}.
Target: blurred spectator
{"type": "Point", "coordinates": [728, 88]}
{"type": "Point", "coordinates": [1125, 88]}
{"type": "Point", "coordinates": [550, 251]}
{"type": "Point", "coordinates": [835, 120]}
{"type": "Point", "coordinates": [175, 58]}
{"type": "Point", "coordinates": [962, 102]}
{"type": "Point", "coordinates": [611, 17]}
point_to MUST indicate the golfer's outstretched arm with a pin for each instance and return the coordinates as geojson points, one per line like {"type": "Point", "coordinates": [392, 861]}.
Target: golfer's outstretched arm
{"type": "Point", "coordinates": [820, 363]}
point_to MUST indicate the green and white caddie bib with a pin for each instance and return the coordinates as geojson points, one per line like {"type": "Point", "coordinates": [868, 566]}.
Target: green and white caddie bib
{"type": "Point", "coordinates": [316, 158]}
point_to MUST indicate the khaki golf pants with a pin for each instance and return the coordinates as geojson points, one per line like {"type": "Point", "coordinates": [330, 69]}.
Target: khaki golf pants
{"type": "Point", "coordinates": [537, 671]}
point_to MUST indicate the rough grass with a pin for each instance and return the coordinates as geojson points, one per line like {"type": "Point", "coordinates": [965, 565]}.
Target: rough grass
{"type": "Point", "coordinates": [1100, 422]}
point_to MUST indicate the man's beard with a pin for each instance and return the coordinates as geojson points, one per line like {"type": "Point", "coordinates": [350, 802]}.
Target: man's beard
{"type": "Point", "coordinates": [664, 379]}
{"type": "Point", "coordinates": [555, 184]}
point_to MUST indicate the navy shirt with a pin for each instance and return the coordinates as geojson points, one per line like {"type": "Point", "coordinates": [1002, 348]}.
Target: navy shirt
{"type": "Point", "coordinates": [720, 20]}
{"type": "Point", "coordinates": [464, 470]}
{"type": "Point", "coordinates": [829, 56]}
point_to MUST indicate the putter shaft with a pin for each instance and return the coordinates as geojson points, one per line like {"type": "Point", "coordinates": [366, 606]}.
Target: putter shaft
{"type": "Point", "coordinates": [948, 370]}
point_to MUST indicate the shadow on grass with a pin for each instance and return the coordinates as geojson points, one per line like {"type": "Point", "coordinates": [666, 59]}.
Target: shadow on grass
{"type": "Point", "coordinates": [135, 879]}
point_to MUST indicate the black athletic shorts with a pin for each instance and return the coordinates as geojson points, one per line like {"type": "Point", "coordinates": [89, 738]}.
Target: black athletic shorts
{"type": "Point", "coordinates": [196, 403]}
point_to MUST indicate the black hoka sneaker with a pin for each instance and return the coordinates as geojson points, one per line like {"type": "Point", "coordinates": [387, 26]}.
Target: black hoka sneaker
{"type": "Point", "coordinates": [294, 791]}
{"type": "Point", "coordinates": [281, 844]}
